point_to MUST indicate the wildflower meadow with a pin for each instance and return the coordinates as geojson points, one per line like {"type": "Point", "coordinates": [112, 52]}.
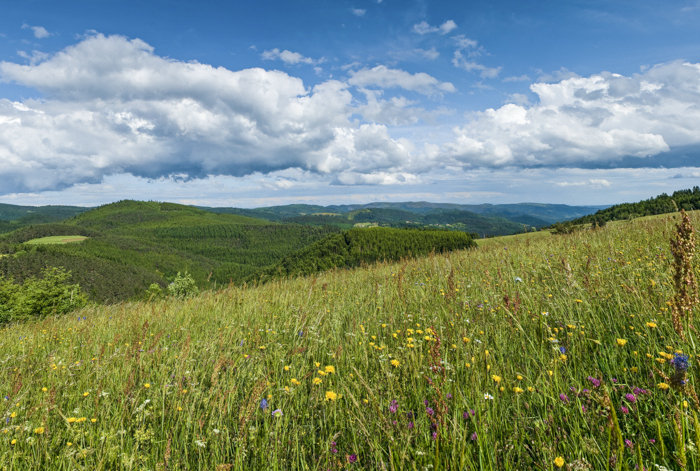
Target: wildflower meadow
{"type": "Point", "coordinates": [567, 352]}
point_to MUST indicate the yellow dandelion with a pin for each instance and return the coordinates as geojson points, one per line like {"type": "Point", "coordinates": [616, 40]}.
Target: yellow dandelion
{"type": "Point", "coordinates": [14, 441]}
{"type": "Point", "coordinates": [651, 325]}
{"type": "Point", "coordinates": [39, 430]}
{"type": "Point", "coordinates": [71, 420]}
{"type": "Point", "coordinates": [286, 368]}
{"type": "Point", "coordinates": [662, 386]}
{"type": "Point", "coordinates": [13, 415]}
{"type": "Point", "coordinates": [496, 378]}
{"type": "Point", "coordinates": [517, 390]}
{"type": "Point", "coordinates": [519, 377]}
{"type": "Point", "coordinates": [316, 381]}
{"type": "Point", "coordinates": [330, 369]}
{"type": "Point", "coordinates": [559, 461]}
{"type": "Point", "coordinates": [44, 389]}
{"type": "Point", "coordinates": [331, 396]}
{"type": "Point", "coordinates": [621, 342]}
{"type": "Point", "coordinates": [317, 364]}
{"type": "Point", "coordinates": [321, 373]}
{"type": "Point", "coordinates": [93, 420]}
{"type": "Point", "coordinates": [147, 385]}
{"type": "Point", "coordinates": [395, 363]}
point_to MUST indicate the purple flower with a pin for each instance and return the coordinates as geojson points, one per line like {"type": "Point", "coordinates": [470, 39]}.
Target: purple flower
{"type": "Point", "coordinates": [629, 444]}
{"type": "Point", "coordinates": [631, 398]}
{"type": "Point", "coordinates": [352, 458]}
{"type": "Point", "coordinates": [624, 410]}
{"type": "Point", "coordinates": [595, 382]}
{"type": "Point", "coordinates": [277, 413]}
{"type": "Point", "coordinates": [426, 403]}
{"type": "Point", "coordinates": [471, 411]}
{"type": "Point", "coordinates": [465, 415]}
{"type": "Point", "coordinates": [410, 425]}
{"type": "Point", "coordinates": [474, 436]}
{"type": "Point", "coordinates": [263, 404]}
{"type": "Point", "coordinates": [449, 396]}
{"type": "Point", "coordinates": [429, 411]}
{"type": "Point", "coordinates": [434, 435]}
{"type": "Point", "coordinates": [639, 391]}
{"type": "Point", "coordinates": [680, 362]}
{"type": "Point", "coordinates": [564, 398]}
{"type": "Point", "coordinates": [393, 407]}
{"type": "Point", "coordinates": [562, 350]}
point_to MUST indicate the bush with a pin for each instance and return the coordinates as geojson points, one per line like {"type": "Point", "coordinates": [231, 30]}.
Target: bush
{"type": "Point", "coordinates": [38, 297]}
{"type": "Point", "coordinates": [183, 286]}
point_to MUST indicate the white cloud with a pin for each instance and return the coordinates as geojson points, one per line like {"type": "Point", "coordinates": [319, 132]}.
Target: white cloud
{"type": "Point", "coordinates": [111, 106]}
{"type": "Point", "coordinates": [289, 57]}
{"type": "Point", "coordinates": [430, 54]}
{"type": "Point", "coordinates": [34, 57]}
{"type": "Point", "coordinates": [592, 120]}
{"type": "Point", "coordinates": [521, 78]}
{"type": "Point", "coordinates": [358, 12]}
{"type": "Point", "coordinates": [383, 77]}
{"type": "Point", "coordinates": [590, 183]}
{"type": "Point", "coordinates": [465, 54]}
{"type": "Point", "coordinates": [39, 31]}
{"type": "Point", "coordinates": [424, 28]}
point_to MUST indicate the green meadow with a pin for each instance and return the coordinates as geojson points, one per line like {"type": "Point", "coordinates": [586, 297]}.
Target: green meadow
{"type": "Point", "coordinates": [536, 352]}
{"type": "Point", "coordinates": [57, 240]}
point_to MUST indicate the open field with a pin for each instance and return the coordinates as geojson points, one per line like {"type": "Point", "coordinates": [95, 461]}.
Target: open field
{"type": "Point", "coordinates": [53, 240]}
{"type": "Point", "coordinates": [553, 354]}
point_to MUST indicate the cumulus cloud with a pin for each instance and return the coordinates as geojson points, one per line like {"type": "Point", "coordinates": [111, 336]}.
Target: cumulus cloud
{"type": "Point", "coordinates": [39, 31]}
{"type": "Point", "coordinates": [431, 53]}
{"type": "Point", "coordinates": [424, 28]}
{"type": "Point", "coordinates": [359, 12]}
{"type": "Point", "coordinates": [587, 120]}
{"type": "Point", "coordinates": [289, 57]}
{"type": "Point", "coordinates": [384, 77]}
{"type": "Point", "coordinates": [111, 105]}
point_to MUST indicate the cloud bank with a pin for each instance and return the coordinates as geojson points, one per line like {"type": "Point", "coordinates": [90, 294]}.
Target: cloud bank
{"type": "Point", "coordinates": [111, 105]}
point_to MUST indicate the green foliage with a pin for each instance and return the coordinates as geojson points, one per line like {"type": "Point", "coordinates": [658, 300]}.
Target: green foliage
{"type": "Point", "coordinates": [39, 297]}
{"type": "Point", "coordinates": [663, 204]}
{"type": "Point", "coordinates": [358, 247]}
{"type": "Point", "coordinates": [183, 286]}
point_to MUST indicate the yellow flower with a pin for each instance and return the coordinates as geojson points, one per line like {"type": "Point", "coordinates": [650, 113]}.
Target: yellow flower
{"type": "Point", "coordinates": [517, 390]}
{"type": "Point", "coordinates": [502, 388]}
{"type": "Point", "coordinates": [330, 369]}
{"type": "Point", "coordinates": [662, 386]}
{"type": "Point", "coordinates": [44, 389]}
{"type": "Point", "coordinates": [530, 388]}
{"type": "Point", "coordinates": [621, 342]}
{"type": "Point", "coordinates": [71, 420]}
{"type": "Point", "coordinates": [496, 378]}
{"type": "Point", "coordinates": [184, 391]}
{"type": "Point", "coordinates": [147, 385]}
{"type": "Point", "coordinates": [286, 368]}
{"type": "Point", "coordinates": [468, 365]}
{"type": "Point", "coordinates": [559, 461]}
{"type": "Point", "coordinates": [651, 325]}
{"type": "Point", "coordinates": [395, 363]}
{"type": "Point", "coordinates": [331, 396]}
{"type": "Point", "coordinates": [563, 357]}
{"type": "Point", "coordinates": [179, 408]}
{"type": "Point", "coordinates": [295, 382]}
{"type": "Point", "coordinates": [13, 415]}
{"type": "Point", "coordinates": [316, 381]}
{"type": "Point", "coordinates": [14, 440]}
{"type": "Point", "coordinates": [93, 420]}
{"type": "Point", "coordinates": [39, 430]}
{"type": "Point", "coordinates": [86, 394]}
{"type": "Point", "coordinates": [321, 373]}
{"type": "Point", "coordinates": [519, 377]}
{"type": "Point", "coordinates": [69, 444]}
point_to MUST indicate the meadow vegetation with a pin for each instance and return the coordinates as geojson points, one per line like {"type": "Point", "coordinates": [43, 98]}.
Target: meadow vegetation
{"type": "Point", "coordinates": [541, 353]}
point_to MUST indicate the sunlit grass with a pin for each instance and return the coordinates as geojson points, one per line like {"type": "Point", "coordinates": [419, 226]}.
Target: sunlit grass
{"type": "Point", "coordinates": [533, 354]}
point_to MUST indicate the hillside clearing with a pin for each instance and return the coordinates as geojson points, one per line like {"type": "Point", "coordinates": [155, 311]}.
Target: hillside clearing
{"type": "Point", "coordinates": [53, 240]}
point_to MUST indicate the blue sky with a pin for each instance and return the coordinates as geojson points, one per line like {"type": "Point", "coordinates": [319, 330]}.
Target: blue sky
{"type": "Point", "coordinates": [263, 103]}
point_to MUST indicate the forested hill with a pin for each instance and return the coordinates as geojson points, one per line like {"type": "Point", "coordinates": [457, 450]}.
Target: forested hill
{"type": "Point", "coordinates": [662, 204]}
{"type": "Point", "coordinates": [14, 217]}
{"type": "Point", "coordinates": [356, 247]}
{"type": "Point", "coordinates": [133, 245]}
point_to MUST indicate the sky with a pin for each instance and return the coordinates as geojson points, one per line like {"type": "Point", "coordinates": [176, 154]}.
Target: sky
{"type": "Point", "coordinates": [249, 104]}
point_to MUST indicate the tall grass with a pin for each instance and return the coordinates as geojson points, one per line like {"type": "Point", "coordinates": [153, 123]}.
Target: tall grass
{"type": "Point", "coordinates": [540, 353]}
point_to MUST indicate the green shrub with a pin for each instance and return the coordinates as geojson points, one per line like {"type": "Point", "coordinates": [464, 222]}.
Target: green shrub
{"type": "Point", "coordinates": [38, 297]}
{"type": "Point", "coordinates": [183, 286]}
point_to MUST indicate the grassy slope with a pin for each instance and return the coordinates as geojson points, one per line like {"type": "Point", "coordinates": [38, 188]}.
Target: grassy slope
{"type": "Point", "coordinates": [182, 381]}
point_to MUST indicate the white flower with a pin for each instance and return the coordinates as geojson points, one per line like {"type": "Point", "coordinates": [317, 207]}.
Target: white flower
{"type": "Point", "coordinates": [488, 396]}
{"type": "Point", "coordinates": [200, 443]}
